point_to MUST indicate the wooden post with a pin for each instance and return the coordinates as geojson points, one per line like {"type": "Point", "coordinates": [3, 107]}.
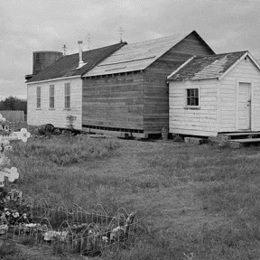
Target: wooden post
{"type": "Point", "coordinates": [165, 133]}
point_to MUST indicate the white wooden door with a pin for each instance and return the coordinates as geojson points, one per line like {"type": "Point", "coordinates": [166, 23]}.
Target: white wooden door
{"type": "Point", "coordinates": [244, 106]}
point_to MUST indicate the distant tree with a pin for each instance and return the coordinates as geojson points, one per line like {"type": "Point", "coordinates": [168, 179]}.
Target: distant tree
{"type": "Point", "coordinates": [13, 103]}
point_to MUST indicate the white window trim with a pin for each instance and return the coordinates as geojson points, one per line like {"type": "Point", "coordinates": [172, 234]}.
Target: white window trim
{"type": "Point", "coordinates": [185, 94]}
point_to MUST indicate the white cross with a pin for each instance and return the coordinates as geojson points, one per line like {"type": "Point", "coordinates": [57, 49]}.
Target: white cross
{"type": "Point", "coordinates": [10, 173]}
{"type": "Point", "coordinates": [2, 118]}
{"type": "Point", "coordinates": [23, 135]}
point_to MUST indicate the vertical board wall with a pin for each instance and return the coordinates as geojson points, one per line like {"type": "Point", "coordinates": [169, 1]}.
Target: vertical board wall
{"type": "Point", "coordinates": [156, 93]}
{"type": "Point", "coordinates": [113, 101]}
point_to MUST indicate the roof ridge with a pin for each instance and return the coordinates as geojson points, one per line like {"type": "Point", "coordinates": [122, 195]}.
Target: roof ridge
{"type": "Point", "coordinates": [172, 36]}
{"type": "Point", "coordinates": [119, 46]}
{"type": "Point", "coordinates": [139, 56]}
{"type": "Point", "coordinates": [208, 66]}
{"type": "Point", "coordinates": [75, 53]}
{"type": "Point", "coordinates": [66, 65]}
{"type": "Point", "coordinates": [219, 54]}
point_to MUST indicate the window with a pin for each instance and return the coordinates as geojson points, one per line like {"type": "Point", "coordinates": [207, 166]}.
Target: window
{"type": "Point", "coordinates": [38, 97]}
{"type": "Point", "coordinates": [51, 92]}
{"type": "Point", "coordinates": [67, 95]}
{"type": "Point", "coordinates": [192, 97]}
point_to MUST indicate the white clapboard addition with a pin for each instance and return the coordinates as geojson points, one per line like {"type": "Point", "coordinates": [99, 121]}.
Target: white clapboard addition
{"type": "Point", "coordinates": [229, 95]}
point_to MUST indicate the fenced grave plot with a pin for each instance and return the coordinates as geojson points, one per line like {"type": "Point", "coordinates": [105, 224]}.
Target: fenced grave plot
{"type": "Point", "coordinates": [73, 231]}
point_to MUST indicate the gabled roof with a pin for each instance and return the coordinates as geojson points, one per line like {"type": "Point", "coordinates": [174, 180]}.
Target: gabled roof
{"type": "Point", "coordinates": [208, 67]}
{"type": "Point", "coordinates": [67, 65]}
{"type": "Point", "coordinates": [138, 56]}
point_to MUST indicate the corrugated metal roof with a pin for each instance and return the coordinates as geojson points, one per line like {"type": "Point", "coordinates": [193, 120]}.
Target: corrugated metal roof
{"type": "Point", "coordinates": [135, 56]}
{"type": "Point", "coordinates": [67, 65]}
{"type": "Point", "coordinates": [207, 67]}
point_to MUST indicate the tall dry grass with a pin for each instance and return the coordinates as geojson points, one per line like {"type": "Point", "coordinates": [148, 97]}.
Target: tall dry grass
{"type": "Point", "coordinates": [197, 202]}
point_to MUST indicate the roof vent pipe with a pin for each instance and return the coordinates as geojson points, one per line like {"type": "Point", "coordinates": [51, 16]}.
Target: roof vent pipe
{"type": "Point", "coordinates": [81, 63]}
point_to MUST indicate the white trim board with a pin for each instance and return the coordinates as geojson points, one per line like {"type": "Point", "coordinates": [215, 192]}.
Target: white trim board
{"type": "Point", "coordinates": [48, 80]}
{"type": "Point", "coordinates": [235, 64]}
{"type": "Point", "coordinates": [180, 67]}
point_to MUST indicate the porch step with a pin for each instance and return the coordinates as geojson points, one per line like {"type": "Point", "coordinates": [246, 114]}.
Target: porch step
{"type": "Point", "coordinates": [246, 140]}
{"type": "Point", "coordinates": [241, 133]}
{"type": "Point", "coordinates": [236, 139]}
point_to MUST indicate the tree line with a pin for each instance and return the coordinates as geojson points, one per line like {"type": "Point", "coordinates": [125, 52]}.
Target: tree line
{"type": "Point", "coordinates": [13, 103]}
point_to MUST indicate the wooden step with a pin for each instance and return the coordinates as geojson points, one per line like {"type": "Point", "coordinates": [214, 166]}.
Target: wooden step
{"type": "Point", "coordinates": [241, 133]}
{"type": "Point", "coordinates": [246, 140]}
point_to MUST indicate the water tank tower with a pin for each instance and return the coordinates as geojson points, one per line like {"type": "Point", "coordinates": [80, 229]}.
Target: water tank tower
{"type": "Point", "coordinates": [43, 59]}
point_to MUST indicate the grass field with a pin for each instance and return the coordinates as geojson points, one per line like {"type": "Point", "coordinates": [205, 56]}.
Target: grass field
{"type": "Point", "coordinates": [196, 202]}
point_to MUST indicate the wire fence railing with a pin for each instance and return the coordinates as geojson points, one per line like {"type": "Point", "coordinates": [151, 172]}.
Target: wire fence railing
{"type": "Point", "coordinates": [74, 230]}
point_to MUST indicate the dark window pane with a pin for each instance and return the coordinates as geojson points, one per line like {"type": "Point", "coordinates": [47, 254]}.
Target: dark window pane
{"type": "Point", "coordinates": [193, 97]}
{"type": "Point", "coordinates": [196, 92]}
{"type": "Point", "coordinates": [38, 97]}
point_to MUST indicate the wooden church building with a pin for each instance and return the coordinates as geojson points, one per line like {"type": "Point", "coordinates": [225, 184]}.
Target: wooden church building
{"type": "Point", "coordinates": [118, 88]}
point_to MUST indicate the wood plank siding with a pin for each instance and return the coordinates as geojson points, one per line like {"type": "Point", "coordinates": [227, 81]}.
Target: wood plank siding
{"type": "Point", "coordinates": [156, 98]}
{"type": "Point", "coordinates": [115, 98]}
{"type": "Point", "coordinates": [57, 115]}
{"type": "Point", "coordinates": [113, 101]}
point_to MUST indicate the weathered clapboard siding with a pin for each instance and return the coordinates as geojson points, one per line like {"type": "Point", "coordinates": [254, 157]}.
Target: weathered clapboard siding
{"type": "Point", "coordinates": [245, 72]}
{"type": "Point", "coordinates": [199, 121]}
{"type": "Point", "coordinates": [155, 77]}
{"type": "Point", "coordinates": [114, 101]}
{"type": "Point", "coordinates": [56, 116]}
{"type": "Point", "coordinates": [219, 106]}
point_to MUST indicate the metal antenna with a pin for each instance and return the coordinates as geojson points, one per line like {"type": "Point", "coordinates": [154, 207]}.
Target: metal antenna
{"type": "Point", "coordinates": [64, 49]}
{"type": "Point", "coordinates": [89, 41]}
{"type": "Point", "coordinates": [121, 33]}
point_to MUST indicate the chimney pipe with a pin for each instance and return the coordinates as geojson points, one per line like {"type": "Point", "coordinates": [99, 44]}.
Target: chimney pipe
{"type": "Point", "coordinates": [81, 63]}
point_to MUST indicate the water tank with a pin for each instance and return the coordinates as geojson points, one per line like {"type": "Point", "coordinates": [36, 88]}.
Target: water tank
{"type": "Point", "coordinates": [43, 59]}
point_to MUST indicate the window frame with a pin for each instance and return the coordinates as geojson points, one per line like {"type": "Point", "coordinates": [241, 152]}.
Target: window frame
{"type": "Point", "coordinates": [51, 87]}
{"type": "Point", "coordinates": [38, 97]}
{"type": "Point", "coordinates": [187, 105]}
{"type": "Point", "coordinates": [67, 96]}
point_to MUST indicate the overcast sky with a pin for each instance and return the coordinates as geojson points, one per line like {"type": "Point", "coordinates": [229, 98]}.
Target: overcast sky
{"type": "Point", "coordinates": [31, 25]}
